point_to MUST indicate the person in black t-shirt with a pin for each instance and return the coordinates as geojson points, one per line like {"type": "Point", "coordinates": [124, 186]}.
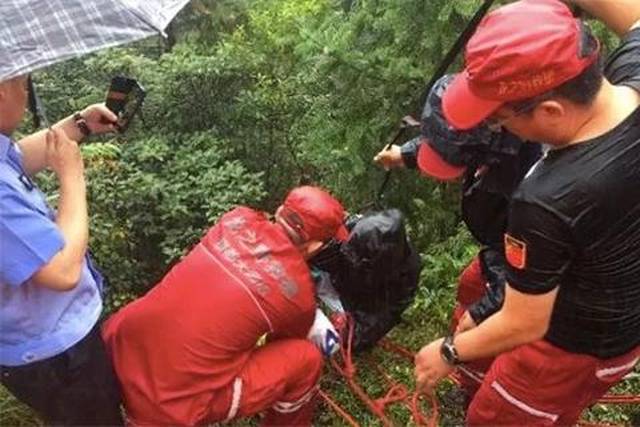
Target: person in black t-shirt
{"type": "Point", "coordinates": [569, 328]}
{"type": "Point", "coordinates": [491, 165]}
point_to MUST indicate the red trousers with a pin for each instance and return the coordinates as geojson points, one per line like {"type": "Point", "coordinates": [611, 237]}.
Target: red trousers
{"type": "Point", "coordinates": [537, 384]}
{"type": "Point", "coordinates": [281, 377]}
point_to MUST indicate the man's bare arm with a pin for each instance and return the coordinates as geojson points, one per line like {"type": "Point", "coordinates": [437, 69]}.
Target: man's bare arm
{"type": "Point", "coordinates": [99, 120]}
{"type": "Point", "coordinates": [619, 15]}
{"type": "Point", "coordinates": [33, 146]}
{"type": "Point", "coordinates": [64, 270]}
{"type": "Point", "coordinates": [523, 318]}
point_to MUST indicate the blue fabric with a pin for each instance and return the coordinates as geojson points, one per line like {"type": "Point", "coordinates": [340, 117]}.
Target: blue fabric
{"type": "Point", "coordinates": [36, 323]}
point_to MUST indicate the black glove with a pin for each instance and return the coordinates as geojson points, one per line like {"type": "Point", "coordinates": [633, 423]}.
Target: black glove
{"type": "Point", "coordinates": [494, 268]}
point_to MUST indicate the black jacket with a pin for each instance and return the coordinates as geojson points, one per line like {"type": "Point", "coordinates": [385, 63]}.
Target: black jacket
{"type": "Point", "coordinates": [493, 173]}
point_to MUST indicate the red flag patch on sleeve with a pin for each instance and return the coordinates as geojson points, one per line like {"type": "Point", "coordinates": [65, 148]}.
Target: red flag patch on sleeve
{"type": "Point", "coordinates": [515, 251]}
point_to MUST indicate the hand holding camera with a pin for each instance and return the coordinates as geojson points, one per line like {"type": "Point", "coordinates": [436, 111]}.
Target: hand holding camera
{"type": "Point", "coordinates": [124, 99]}
{"type": "Point", "coordinates": [99, 119]}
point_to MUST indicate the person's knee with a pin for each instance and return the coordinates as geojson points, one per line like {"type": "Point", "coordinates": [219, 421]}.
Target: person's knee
{"type": "Point", "coordinates": [308, 356]}
{"type": "Point", "coordinates": [495, 405]}
{"type": "Point", "coordinates": [304, 361]}
{"type": "Point", "coordinates": [485, 408]}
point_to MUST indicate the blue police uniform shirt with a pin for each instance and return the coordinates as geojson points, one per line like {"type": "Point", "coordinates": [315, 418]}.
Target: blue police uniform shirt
{"type": "Point", "coordinates": [36, 323]}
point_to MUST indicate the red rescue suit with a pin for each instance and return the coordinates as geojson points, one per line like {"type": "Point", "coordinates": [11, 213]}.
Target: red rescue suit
{"type": "Point", "coordinates": [186, 353]}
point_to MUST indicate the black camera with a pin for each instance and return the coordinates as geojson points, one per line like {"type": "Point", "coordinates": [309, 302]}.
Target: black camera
{"type": "Point", "coordinates": [124, 99]}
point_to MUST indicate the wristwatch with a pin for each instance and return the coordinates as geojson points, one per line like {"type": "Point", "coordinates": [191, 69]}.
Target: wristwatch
{"type": "Point", "coordinates": [82, 124]}
{"type": "Point", "coordinates": [448, 351]}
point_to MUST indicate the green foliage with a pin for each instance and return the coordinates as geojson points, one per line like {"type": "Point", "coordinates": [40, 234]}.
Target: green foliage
{"type": "Point", "coordinates": [628, 416]}
{"type": "Point", "coordinates": [155, 200]}
{"type": "Point", "coordinates": [15, 414]}
{"type": "Point", "coordinates": [442, 264]}
{"type": "Point", "coordinates": [247, 98]}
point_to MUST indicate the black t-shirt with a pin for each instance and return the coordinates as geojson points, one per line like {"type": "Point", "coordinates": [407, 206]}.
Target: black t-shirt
{"type": "Point", "coordinates": [574, 223]}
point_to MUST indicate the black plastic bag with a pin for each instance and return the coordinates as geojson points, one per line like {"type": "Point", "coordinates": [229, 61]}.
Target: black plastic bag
{"type": "Point", "coordinates": [375, 272]}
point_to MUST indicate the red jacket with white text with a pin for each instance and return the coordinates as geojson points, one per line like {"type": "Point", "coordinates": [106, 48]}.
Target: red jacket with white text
{"type": "Point", "coordinates": [193, 332]}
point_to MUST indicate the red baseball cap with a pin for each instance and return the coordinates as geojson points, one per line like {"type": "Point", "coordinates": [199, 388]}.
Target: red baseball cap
{"type": "Point", "coordinates": [431, 163]}
{"type": "Point", "coordinates": [519, 51]}
{"type": "Point", "coordinates": [315, 214]}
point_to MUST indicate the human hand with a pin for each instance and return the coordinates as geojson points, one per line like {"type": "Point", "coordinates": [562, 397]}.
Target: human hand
{"type": "Point", "coordinates": [99, 119]}
{"type": "Point", "coordinates": [391, 158]}
{"type": "Point", "coordinates": [63, 156]}
{"type": "Point", "coordinates": [430, 367]}
{"type": "Point", "coordinates": [324, 335]}
{"type": "Point", "coordinates": [465, 323]}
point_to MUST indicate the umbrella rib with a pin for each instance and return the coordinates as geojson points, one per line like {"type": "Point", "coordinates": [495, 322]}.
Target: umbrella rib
{"type": "Point", "coordinates": [142, 17]}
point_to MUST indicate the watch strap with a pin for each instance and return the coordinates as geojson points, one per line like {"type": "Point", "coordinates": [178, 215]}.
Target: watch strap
{"type": "Point", "coordinates": [448, 351]}
{"type": "Point", "coordinates": [82, 124]}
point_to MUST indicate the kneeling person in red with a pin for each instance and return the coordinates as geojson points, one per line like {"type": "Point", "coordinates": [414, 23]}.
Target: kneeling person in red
{"type": "Point", "coordinates": [186, 352]}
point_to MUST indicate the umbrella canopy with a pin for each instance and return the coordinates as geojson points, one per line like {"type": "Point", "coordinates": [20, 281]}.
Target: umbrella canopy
{"type": "Point", "coordinates": [37, 33]}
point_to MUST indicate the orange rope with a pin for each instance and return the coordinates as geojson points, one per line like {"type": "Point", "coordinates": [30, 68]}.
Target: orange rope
{"type": "Point", "coordinates": [588, 424]}
{"type": "Point", "coordinates": [417, 415]}
{"type": "Point", "coordinates": [399, 393]}
{"type": "Point", "coordinates": [344, 414]}
{"type": "Point", "coordinates": [396, 392]}
{"type": "Point", "coordinates": [619, 399]}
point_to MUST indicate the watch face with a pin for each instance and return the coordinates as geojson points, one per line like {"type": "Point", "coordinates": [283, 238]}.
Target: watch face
{"type": "Point", "coordinates": [448, 352]}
